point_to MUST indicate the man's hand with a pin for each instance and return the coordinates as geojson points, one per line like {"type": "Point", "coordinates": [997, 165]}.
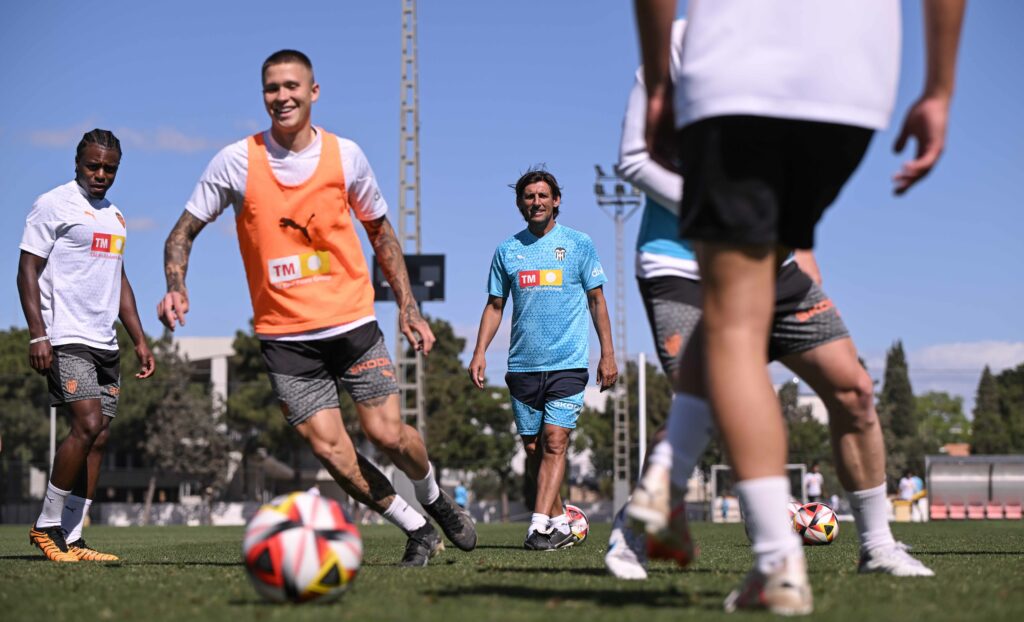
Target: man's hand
{"type": "Point", "coordinates": [416, 329]}
{"type": "Point", "coordinates": [926, 123]}
{"type": "Point", "coordinates": [607, 372]}
{"type": "Point", "coordinates": [147, 364]}
{"type": "Point", "coordinates": [477, 367]}
{"type": "Point", "coordinates": [173, 308]}
{"type": "Point", "coordinates": [40, 356]}
{"type": "Point", "coordinates": [661, 126]}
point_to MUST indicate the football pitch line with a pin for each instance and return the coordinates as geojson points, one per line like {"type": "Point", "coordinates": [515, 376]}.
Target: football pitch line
{"type": "Point", "coordinates": [195, 573]}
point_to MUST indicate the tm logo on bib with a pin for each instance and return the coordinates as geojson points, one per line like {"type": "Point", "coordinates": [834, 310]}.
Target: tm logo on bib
{"type": "Point", "coordinates": [540, 278]}
{"type": "Point", "coordinates": [297, 267]}
{"type": "Point", "coordinates": [107, 244]}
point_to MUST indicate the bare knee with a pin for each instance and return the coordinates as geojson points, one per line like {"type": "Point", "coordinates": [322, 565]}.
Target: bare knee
{"type": "Point", "coordinates": [100, 444]}
{"type": "Point", "coordinates": [389, 439]}
{"type": "Point", "coordinates": [556, 443]}
{"type": "Point", "coordinates": [857, 405]}
{"type": "Point", "coordinates": [87, 428]}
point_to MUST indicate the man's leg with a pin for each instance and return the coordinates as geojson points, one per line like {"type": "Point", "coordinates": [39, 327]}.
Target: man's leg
{"type": "Point", "coordinates": [836, 375]}
{"type": "Point", "coordinates": [739, 299]}
{"type": "Point", "coordinates": [76, 508]}
{"type": "Point", "coordinates": [69, 463]}
{"type": "Point", "coordinates": [541, 516]}
{"type": "Point", "coordinates": [363, 481]}
{"type": "Point", "coordinates": [554, 444]}
{"type": "Point", "coordinates": [370, 381]}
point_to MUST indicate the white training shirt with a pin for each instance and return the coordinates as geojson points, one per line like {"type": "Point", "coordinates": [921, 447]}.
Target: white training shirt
{"type": "Point", "coordinates": [224, 180]}
{"type": "Point", "coordinates": [833, 61]}
{"type": "Point", "coordinates": [82, 240]}
{"type": "Point", "coordinates": [813, 482]}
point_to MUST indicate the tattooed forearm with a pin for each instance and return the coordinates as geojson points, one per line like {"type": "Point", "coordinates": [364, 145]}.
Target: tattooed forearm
{"type": "Point", "coordinates": [392, 262]}
{"type": "Point", "coordinates": [177, 249]}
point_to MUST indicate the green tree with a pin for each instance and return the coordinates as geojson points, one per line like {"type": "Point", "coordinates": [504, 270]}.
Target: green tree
{"type": "Point", "coordinates": [1011, 405]}
{"type": "Point", "coordinates": [897, 412]}
{"type": "Point", "coordinates": [897, 399]}
{"type": "Point", "coordinates": [807, 438]}
{"type": "Point", "coordinates": [467, 428]}
{"type": "Point", "coordinates": [942, 420]}
{"type": "Point", "coordinates": [184, 436]}
{"type": "Point", "coordinates": [989, 430]}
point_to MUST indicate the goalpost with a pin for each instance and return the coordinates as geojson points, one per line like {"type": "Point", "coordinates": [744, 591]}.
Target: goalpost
{"type": "Point", "coordinates": [725, 507]}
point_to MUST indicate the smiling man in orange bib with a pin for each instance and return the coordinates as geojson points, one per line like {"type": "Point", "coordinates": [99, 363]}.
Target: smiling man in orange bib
{"type": "Point", "coordinates": [294, 189]}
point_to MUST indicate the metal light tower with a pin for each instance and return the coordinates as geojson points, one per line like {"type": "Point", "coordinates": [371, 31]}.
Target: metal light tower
{"type": "Point", "coordinates": [410, 368]}
{"type": "Point", "coordinates": [620, 203]}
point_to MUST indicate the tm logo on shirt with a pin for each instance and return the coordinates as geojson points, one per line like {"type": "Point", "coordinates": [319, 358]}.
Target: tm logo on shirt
{"type": "Point", "coordinates": [535, 278]}
{"type": "Point", "coordinates": [297, 267]}
{"type": "Point", "coordinates": [107, 245]}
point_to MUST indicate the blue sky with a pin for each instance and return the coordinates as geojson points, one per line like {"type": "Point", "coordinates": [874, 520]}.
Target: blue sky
{"type": "Point", "coordinates": [503, 86]}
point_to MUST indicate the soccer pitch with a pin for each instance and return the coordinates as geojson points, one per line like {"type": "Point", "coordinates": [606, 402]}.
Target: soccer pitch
{"type": "Point", "coordinates": [183, 573]}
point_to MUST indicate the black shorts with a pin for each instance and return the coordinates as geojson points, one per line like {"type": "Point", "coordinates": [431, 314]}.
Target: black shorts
{"type": "Point", "coordinates": [79, 372]}
{"type": "Point", "coordinates": [762, 180]}
{"type": "Point", "coordinates": [306, 375]}
{"type": "Point", "coordinates": [803, 319]}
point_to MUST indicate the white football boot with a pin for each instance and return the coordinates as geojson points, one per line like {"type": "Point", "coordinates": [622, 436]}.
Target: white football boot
{"type": "Point", "coordinates": [627, 555]}
{"type": "Point", "coordinates": [894, 560]}
{"type": "Point", "coordinates": [786, 591]}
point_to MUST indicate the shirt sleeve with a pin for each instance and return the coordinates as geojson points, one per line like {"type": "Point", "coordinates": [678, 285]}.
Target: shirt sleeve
{"type": "Point", "coordinates": [42, 228]}
{"type": "Point", "coordinates": [364, 196]}
{"type": "Point", "coordinates": [221, 184]}
{"type": "Point", "coordinates": [499, 284]}
{"type": "Point", "coordinates": [635, 164]}
{"type": "Point", "coordinates": [591, 271]}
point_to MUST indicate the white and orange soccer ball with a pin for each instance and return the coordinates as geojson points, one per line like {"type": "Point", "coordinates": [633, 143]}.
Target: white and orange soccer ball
{"type": "Point", "coordinates": [301, 547]}
{"type": "Point", "coordinates": [816, 524]}
{"type": "Point", "coordinates": [579, 524]}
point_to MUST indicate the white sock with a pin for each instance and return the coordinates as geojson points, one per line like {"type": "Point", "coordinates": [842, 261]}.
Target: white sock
{"type": "Point", "coordinates": [427, 491]}
{"type": "Point", "coordinates": [871, 513]}
{"type": "Point", "coordinates": [73, 518]}
{"type": "Point", "coordinates": [53, 506]}
{"type": "Point", "coordinates": [560, 522]}
{"type": "Point", "coordinates": [690, 426]}
{"type": "Point", "coordinates": [772, 535]}
{"type": "Point", "coordinates": [538, 522]}
{"type": "Point", "coordinates": [401, 514]}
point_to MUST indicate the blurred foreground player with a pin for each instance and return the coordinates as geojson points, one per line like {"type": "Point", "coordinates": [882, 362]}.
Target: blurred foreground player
{"type": "Point", "coordinates": [765, 149]}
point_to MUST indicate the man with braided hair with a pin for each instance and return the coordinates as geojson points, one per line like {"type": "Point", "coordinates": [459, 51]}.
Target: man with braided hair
{"type": "Point", "coordinates": [73, 287]}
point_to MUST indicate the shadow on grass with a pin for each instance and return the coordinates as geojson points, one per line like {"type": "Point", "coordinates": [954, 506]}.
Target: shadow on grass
{"type": "Point", "coordinates": [182, 563]}
{"type": "Point", "coordinates": [965, 553]}
{"type": "Point", "coordinates": [592, 572]}
{"type": "Point", "coordinates": [703, 599]}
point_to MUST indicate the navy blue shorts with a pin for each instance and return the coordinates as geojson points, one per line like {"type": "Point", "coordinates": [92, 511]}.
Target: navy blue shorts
{"type": "Point", "coordinates": [551, 397]}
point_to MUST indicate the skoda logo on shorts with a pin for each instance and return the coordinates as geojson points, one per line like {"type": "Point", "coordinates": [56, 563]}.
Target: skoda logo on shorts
{"type": "Point", "coordinates": [560, 253]}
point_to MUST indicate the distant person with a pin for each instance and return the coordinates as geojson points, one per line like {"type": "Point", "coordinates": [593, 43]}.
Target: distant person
{"type": "Point", "coordinates": [555, 280]}
{"type": "Point", "coordinates": [906, 486]}
{"type": "Point", "coordinates": [73, 288]}
{"type": "Point", "coordinates": [765, 148]}
{"type": "Point", "coordinates": [295, 189]}
{"type": "Point", "coordinates": [807, 335]}
{"type": "Point", "coordinates": [814, 484]}
{"type": "Point", "coordinates": [461, 496]}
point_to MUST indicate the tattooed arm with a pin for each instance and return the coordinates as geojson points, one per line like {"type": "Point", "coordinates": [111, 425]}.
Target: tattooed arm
{"type": "Point", "coordinates": [392, 263]}
{"type": "Point", "coordinates": [174, 305]}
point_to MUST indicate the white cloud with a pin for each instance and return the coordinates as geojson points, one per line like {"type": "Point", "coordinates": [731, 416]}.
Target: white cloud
{"type": "Point", "coordinates": [998, 355]}
{"type": "Point", "coordinates": [165, 139]}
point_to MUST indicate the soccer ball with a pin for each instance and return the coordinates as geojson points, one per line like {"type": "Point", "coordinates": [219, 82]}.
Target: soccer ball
{"type": "Point", "coordinates": [579, 524]}
{"type": "Point", "coordinates": [793, 507]}
{"type": "Point", "coordinates": [674, 541]}
{"type": "Point", "coordinates": [301, 547]}
{"type": "Point", "coordinates": [816, 523]}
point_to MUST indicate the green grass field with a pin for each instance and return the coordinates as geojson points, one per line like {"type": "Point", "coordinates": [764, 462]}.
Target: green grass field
{"type": "Point", "coordinates": [182, 573]}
